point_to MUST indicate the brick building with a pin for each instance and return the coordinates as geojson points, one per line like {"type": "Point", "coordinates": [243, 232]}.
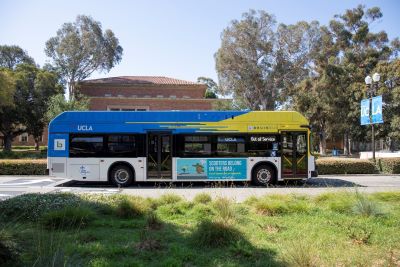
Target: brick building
{"type": "Point", "coordinates": [137, 93]}
{"type": "Point", "coordinates": [142, 93]}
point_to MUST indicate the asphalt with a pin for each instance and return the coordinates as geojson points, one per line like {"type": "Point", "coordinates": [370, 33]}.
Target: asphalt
{"type": "Point", "coordinates": [11, 186]}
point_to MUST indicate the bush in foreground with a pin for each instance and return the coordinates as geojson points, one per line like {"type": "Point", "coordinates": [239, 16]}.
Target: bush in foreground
{"type": "Point", "coordinates": [69, 217]}
{"type": "Point", "coordinates": [131, 207]}
{"type": "Point", "coordinates": [215, 233]}
{"type": "Point", "coordinates": [33, 206]}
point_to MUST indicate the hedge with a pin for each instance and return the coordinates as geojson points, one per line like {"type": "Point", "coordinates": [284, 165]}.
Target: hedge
{"type": "Point", "coordinates": [345, 166]}
{"type": "Point", "coordinates": [389, 165]}
{"type": "Point", "coordinates": [23, 167]}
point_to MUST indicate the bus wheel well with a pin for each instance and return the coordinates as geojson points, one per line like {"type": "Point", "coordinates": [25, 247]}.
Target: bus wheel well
{"type": "Point", "coordinates": [120, 163]}
{"type": "Point", "coordinates": [266, 163]}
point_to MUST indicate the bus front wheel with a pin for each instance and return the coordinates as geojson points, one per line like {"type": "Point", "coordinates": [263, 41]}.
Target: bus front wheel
{"type": "Point", "coordinates": [264, 175]}
{"type": "Point", "coordinates": [121, 175]}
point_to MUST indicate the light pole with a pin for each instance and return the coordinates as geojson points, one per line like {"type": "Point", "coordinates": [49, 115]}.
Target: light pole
{"type": "Point", "coordinates": [372, 85]}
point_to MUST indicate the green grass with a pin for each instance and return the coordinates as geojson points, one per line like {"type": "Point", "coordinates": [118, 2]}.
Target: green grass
{"type": "Point", "coordinates": [333, 229]}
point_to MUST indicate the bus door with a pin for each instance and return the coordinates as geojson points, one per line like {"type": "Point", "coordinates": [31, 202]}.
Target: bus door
{"type": "Point", "coordinates": [159, 155]}
{"type": "Point", "coordinates": [294, 155]}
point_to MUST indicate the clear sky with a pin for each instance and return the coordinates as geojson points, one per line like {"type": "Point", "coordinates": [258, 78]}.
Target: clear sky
{"type": "Point", "coordinates": [174, 38]}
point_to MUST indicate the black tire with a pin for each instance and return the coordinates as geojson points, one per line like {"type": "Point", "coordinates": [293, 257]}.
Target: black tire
{"type": "Point", "coordinates": [121, 175]}
{"type": "Point", "coordinates": [264, 175]}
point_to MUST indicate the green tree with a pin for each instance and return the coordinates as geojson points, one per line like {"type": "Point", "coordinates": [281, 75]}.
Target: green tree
{"type": "Point", "coordinates": [38, 86]}
{"type": "Point", "coordinates": [345, 53]}
{"type": "Point", "coordinates": [58, 104]}
{"type": "Point", "coordinates": [32, 88]}
{"type": "Point", "coordinates": [80, 48]}
{"type": "Point", "coordinates": [7, 87]}
{"type": "Point", "coordinates": [259, 61]}
{"type": "Point", "coordinates": [212, 87]}
{"type": "Point", "coordinates": [12, 55]}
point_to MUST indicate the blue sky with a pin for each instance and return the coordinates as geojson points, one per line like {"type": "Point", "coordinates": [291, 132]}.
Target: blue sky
{"type": "Point", "coordinates": [173, 38]}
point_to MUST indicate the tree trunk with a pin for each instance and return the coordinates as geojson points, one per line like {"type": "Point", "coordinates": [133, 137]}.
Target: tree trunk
{"type": "Point", "coordinates": [350, 153]}
{"type": "Point", "coordinates": [36, 143]}
{"type": "Point", "coordinates": [322, 143]}
{"type": "Point", "coordinates": [346, 144]}
{"type": "Point", "coordinates": [7, 142]}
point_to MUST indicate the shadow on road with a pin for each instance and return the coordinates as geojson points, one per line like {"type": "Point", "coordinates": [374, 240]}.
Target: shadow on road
{"type": "Point", "coordinates": [311, 183]}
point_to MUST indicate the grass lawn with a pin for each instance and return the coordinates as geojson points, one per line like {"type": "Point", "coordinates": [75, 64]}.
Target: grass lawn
{"type": "Point", "coordinates": [334, 229]}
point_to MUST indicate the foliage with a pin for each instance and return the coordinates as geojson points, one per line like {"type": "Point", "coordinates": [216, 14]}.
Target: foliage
{"type": "Point", "coordinates": [11, 56]}
{"type": "Point", "coordinates": [366, 207]}
{"type": "Point", "coordinates": [203, 198]}
{"type": "Point", "coordinates": [31, 207]}
{"type": "Point", "coordinates": [211, 234]}
{"type": "Point", "coordinates": [389, 165]}
{"type": "Point", "coordinates": [58, 104]}
{"type": "Point", "coordinates": [258, 61]}
{"type": "Point", "coordinates": [193, 240]}
{"type": "Point", "coordinates": [80, 48]}
{"type": "Point", "coordinates": [68, 217]}
{"type": "Point", "coordinates": [23, 167]}
{"type": "Point", "coordinates": [345, 166]}
{"type": "Point", "coordinates": [276, 205]}
{"type": "Point", "coordinates": [25, 154]}
{"type": "Point", "coordinates": [347, 51]}
{"type": "Point", "coordinates": [7, 85]}
{"type": "Point", "coordinates": [212, 87]}
{"type": "Point", "coordinates": [27, 89]}
{"type": "Point", "coordinates": [131, 207]}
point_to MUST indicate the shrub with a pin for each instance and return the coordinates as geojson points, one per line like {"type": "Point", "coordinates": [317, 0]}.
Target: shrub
{"type": "Point", "coordinates": [387, 196]}
{"type": "Point", "coordinates": [215, 233]}
{"type": "Point", "coordinates": [131, 207]}
{"type": "Point", "coordinates": [202, 211]}
{"type": "Point", "coordinates": [338, 202]}
{"type": "Point", "coordinates": [282, 204]}
{"type": "Point", "coordinates": [171, 209]}
{"type": "Point", "coordinates": [152, 221]}
{"type": "Point", "coordinates": [169, 199]}
{"type": "Point", "coordinates": [224, 208]}
{"type": "Point", "coordinates": [23, 167]}
{"type": "Point", "coordinates": [69, 217]}
{"type": "Point", "coordinates": [389, 165]}
{"type": "Point", "coordinates": [301, 254]}
{"type": "Point", "coordinates": [203, 198]}
{"type": "Point", "coordinates": [345, 166]}
{"type": "Point", "coordinates": [8, 250]}
{"type": "Point", "coordinates": [42, 154]}
{"type": "Point", "coordinates": [366, 207]}
{"type": "Point", "coordinates": [33, 206]}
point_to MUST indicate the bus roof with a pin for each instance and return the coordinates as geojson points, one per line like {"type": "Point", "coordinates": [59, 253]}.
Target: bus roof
{"type": "Point", "coordinates": [175, 121]}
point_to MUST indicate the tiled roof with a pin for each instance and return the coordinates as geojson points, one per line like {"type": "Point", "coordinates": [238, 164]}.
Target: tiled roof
{"type": "Point", "coordinates": [138, 80]}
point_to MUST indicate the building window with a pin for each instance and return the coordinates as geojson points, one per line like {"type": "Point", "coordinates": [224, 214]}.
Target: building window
{"type": "Point", "coordinates": [160, 96]}
{"type": "Point", "coordinates": [186, 97]}
{"type": "Point", "coordinates": [41, 138]}
{"type": "Point", "coordinates": [147, 96]}
{"type": "Point", "coordinates": [107, 95]}
{"type": "Point", "coordinates": [120, 95]}
{"type": "Point", "coordinates": [23, 137]}
{"type": "Point", "coordinates": [172, 96]}
{"type": "Point", "coordinates": [127, 108]}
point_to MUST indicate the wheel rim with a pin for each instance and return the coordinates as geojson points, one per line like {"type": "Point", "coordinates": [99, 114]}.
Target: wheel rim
{"type": "Point", "coordinates": [121, 176]}
{"type": "Point", "coordinates": [264, 176]}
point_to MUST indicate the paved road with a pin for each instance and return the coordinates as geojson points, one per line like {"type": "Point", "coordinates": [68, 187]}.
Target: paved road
{"type": "Point", "coordinates": [11, 186]}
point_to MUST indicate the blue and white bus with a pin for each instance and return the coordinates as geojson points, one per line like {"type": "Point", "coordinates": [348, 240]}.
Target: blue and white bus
{"type": "Point", "coordinates": [124, 147]}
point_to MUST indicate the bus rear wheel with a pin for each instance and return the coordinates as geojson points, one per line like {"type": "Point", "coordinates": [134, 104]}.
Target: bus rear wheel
{"type": "Point", "coordinates": [121, 175]}
{"type": "Point", "coordinates": [264, 175]}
